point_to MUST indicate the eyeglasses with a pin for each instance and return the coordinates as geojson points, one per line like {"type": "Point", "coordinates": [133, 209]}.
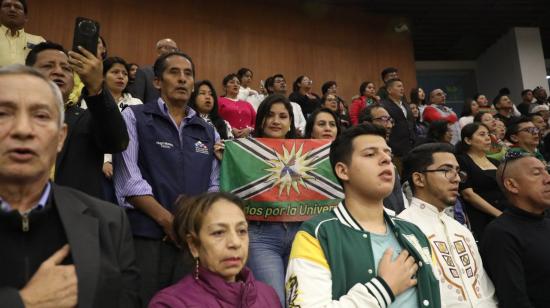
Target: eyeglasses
{"type": "Point", "coordinates": [279, 81]}
{"type": "Point", "coordinates": [384, 119]}
{"type": "Point", "coordinates": [531, 130]}
{"type": "Point", "coordinates": [450, 173]}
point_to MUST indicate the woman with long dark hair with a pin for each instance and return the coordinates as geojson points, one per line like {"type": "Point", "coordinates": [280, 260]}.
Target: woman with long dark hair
{"type": "Point", "coordinates": [469, 111]}
{"type": "Point", "coordinates": [322, 124]}
{"type": "Point", "coordinates": [246, 93]}
{"type": "Point", "coordinates": [483, 199]}
{"type": "Point", "coordinates": [367, 97]}
{"type": "Point", "coordinates": [303, 96]}
{"type": "Point", "coordinates": [205, 102]}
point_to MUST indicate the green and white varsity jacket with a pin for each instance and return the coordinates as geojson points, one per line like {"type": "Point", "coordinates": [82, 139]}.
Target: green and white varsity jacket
{"type": "Point", "coordinates": [331, 264]}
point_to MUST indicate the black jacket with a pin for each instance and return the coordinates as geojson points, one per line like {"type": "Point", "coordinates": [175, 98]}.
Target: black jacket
{"type": "Point", "coordinates": [102, 251]}
{"type": "Point", "coordinates": [403, 136]}
{"type": "Point", "coordinates": [91, 133]}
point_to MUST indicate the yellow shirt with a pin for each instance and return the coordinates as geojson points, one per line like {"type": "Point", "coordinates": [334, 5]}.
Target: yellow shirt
{"type": "Point", "coordinates": [14, 49]}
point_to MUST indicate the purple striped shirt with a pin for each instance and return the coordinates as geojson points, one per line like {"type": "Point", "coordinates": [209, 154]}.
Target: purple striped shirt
{"type": "Point", "coordinates": [127, 177]}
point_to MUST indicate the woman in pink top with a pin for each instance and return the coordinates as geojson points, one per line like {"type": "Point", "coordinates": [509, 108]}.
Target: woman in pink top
{"type": "Point", "coordinates": [240, 114]}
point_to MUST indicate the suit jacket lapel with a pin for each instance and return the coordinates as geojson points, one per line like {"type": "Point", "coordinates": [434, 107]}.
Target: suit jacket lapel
{"type": "Point", "coordinates": [83, 235]}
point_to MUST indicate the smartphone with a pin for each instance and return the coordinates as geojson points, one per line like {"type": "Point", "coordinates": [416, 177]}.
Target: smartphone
{"type": "Point", "coordinates": [86, 34]}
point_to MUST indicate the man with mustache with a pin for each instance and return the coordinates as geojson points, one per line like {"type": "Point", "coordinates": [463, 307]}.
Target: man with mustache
{"type": "Point", "coordinates": [433, 174]}
{"type": "Point", "coordinates": [171, 152]}
{"type": "Point", "coordinates": [357, 255]}
{"type": "Point", "coordinates": [15, 43]}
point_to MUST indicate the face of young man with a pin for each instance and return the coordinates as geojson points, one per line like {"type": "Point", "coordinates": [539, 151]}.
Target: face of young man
{"type": "Point", "coordinates": [370, 172]}
{"type": "Point", "coordinates": [439, 184]}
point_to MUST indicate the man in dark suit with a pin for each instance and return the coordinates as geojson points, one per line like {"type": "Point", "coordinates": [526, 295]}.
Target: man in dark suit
{"type": "Point", "coordinates": [92, 132]}
{"type": "Point", "coordinates": [402, 137]}
{"type": "Point", "coordinates": [60, 247]}
{"type": "Point", "coordinates": [143, 87]}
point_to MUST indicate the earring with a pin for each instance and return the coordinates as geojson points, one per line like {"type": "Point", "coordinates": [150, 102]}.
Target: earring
{"type": "Point", "coordinates": [196, 273]}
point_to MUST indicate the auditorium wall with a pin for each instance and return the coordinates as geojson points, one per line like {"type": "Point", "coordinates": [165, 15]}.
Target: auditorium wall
{"type": "Point", "coordinates": [294, 38]}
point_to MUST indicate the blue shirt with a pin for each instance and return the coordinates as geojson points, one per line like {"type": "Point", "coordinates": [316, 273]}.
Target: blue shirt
{"type": "Point", "coordinates": [6, 207]}
{"type": "Point", "coordinates": [381, 242]}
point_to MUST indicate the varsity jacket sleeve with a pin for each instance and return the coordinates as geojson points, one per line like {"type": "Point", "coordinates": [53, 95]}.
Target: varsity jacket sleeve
{"type": "Point", "coordinates": [309, 282]}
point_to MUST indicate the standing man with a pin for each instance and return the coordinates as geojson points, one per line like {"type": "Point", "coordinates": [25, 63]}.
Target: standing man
{"type": "Point", "coordinates": [15, 43]}
{"type": "Point", "coordinates": [516, 245]}
{"type": "Point", "coordinates": [526, 102]}
{"type": "Point", "coordinates": [171, 152]}
{"type": "Point", "coordinates": [439, 111]}
{"type": "Point", "coordinates": [357, 255]}
{"type": "Point", "coordinates": [505, 108]}
{"type": "Point", "coordinates": [403, 136]}
{"type": "Point", "coordinates": [276, 84]}
{"type": "Point", "coordinates": [60, 247]}
{"type": "Point", "coordinates": [143, 86]}
{"type": "Point", "coordinates": [388, 73]}
{"type": "Point", "coordinates": [433, 174]}
{"type": "Point", "coordinates": [91, 132]}
{"type": "Point", "coordinates": [377, 115]}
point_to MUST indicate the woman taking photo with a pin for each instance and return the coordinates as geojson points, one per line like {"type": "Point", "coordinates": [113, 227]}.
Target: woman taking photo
{"type": "Point", "coordinates": [367, 92]}
{"type": "Point", "coordinates": [322, 124]}
{"type": "Point", "coordinates": [240, 114]}
{"type": "Point", "coordinates": [214, 228]}
{"type": "Point", "coordinates": [483, 198]}
{"type": "Point", "coordinates": [270, 242]}
{"type": "Point", "coordinates": [302, 95]}
{"type": "Point", "coordinates": [204, 101]}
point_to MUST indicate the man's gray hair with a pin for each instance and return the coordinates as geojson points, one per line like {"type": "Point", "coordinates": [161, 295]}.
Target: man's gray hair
{"type": "Point", "coordinates": [18, 69]}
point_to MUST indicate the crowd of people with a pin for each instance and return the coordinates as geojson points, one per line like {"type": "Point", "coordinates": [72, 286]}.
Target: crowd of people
{"type": "Point", "coordinates": [110, 188]}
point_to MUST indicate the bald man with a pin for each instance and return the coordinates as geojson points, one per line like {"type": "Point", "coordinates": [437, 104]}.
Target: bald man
{"type": "Point", "coordinates": [516, 245]}
{"type": "Point", "coordinates": [142, 87]}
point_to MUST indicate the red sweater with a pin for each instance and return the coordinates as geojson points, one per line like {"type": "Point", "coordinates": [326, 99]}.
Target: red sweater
{"type": "Point", "coordinates": [239, 114]}
{"type": "Point", "coordinates": [432, 113]}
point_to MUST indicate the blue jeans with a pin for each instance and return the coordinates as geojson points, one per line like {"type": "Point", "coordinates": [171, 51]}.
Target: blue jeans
{"type": "Point", "coordinates": [269, 249]}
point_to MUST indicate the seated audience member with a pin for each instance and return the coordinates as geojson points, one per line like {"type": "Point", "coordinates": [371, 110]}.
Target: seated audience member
{"type": "Point", "coordinates": [420, 128]}
{"type": "Point", "coordinates": [144, 87]}
{"type": "Point", "coordinates": [524, 136]}
{"type": "Point", "coordinates": [526, 102]}
{"type": "Point", "coordinates": [438, 111]}
{"type": "Point", "coordinates": [92, 132]}
{"type": "Point", "coordinates": [15, 43]}
{"type": "Point", "coordinates": [469, 111]}
{"type": "Point", "coordinates": [276, 84]}
{"type": "Point", "coordinates": [330, 87]}
{"type": "Point", "coordinates": [377, 115]}
{"type": "Point", "coordinates": [504, 107]}
{"type": "Point", "coordinates": [246, 93]}
{"type": "Point", "coordinates": [171, 152]}
{"type": "Point", "coordinates": [387, 74]}
{"type": "Point", "coordinates": [434, 175]}
{"type": "Point", "coordinates": [322, 124]}
{"type": "Point", "coordinates": [367, 97]}
{"type": "Point", "coordinates": [439, 131]}
{"type": "Point", "coordinates": [498, 145]}
{"type": "Point", "coordinates": [483, 103]}
{"type": "Point", "coordinates": [542, 125]}
{"type": "Point", "coordinates": [214, 228]}
{"type": "Point", "coordinates": [403, 136]}
{"type": "Point", "coordinates": [500, 130]}
{"type": "Point", "coordinates": [205, 102]}
{"type": "Point", "coordinates": [483, 199]}
{"type": "Point", "coordinates": [356, 255]}
{"type": "Point", "coordinates": [272, 240]}
{"type": "Point", "coordinates": [515, 246]}
{"type": "Point", "coordinates": [60, 247]}
{"type": "Point", "coordinates": [303, 96]}
{"type": "Point", "coordinates": [240, 114]}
